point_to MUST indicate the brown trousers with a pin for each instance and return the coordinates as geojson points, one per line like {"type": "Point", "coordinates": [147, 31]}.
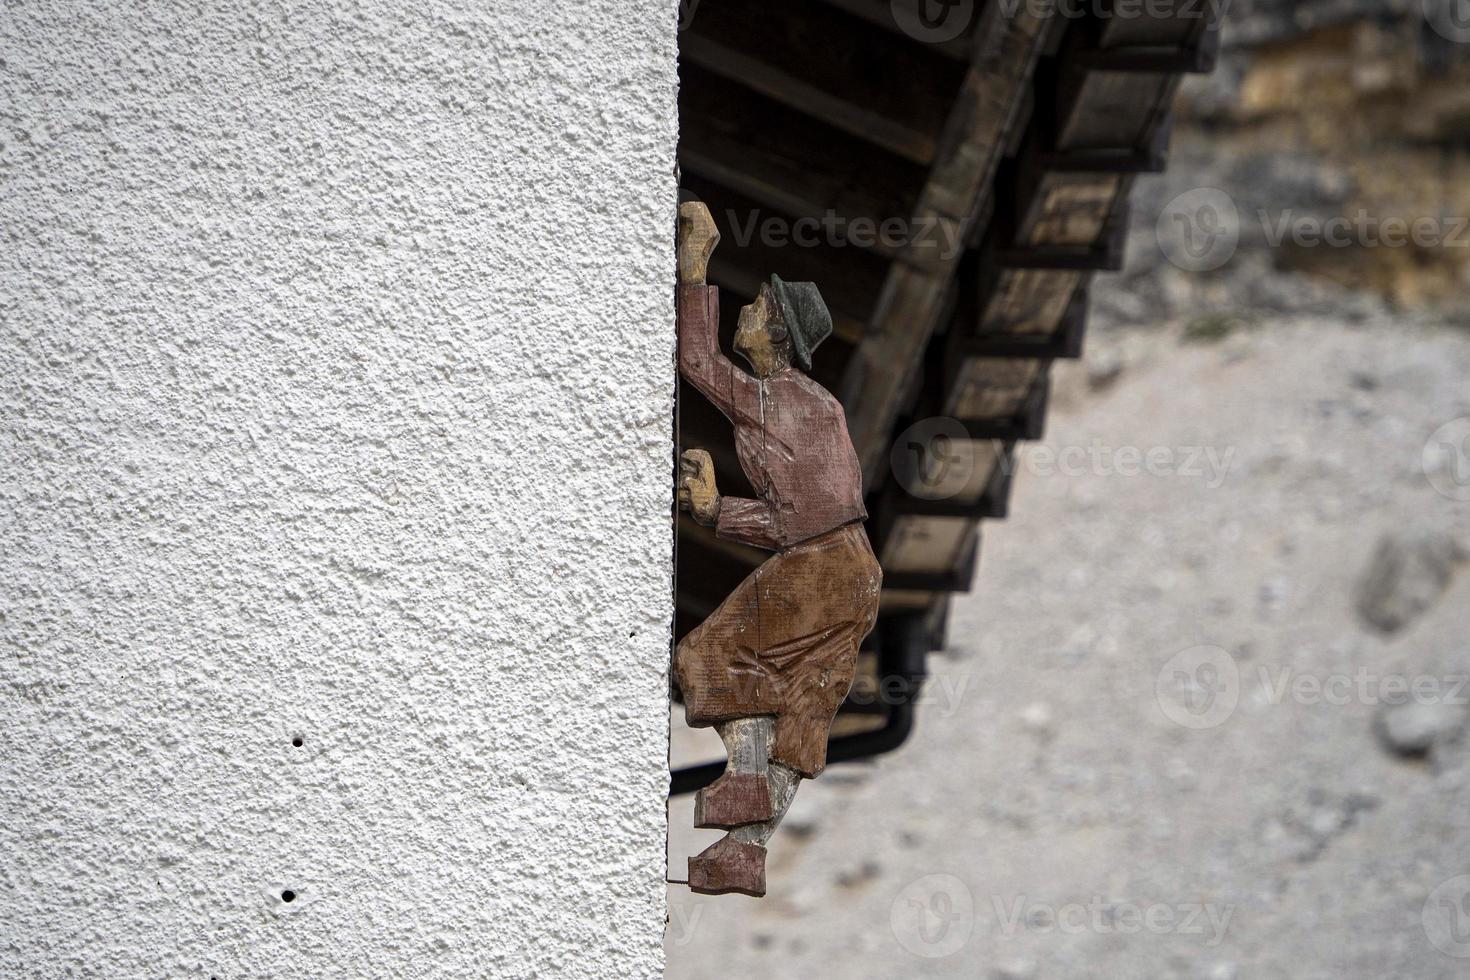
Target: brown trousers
{"type": "Point", "coordinates": [785, 643]}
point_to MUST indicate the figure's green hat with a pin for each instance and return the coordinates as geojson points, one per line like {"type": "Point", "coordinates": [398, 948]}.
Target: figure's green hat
{"type": "Point", "coordinates": [806, 317]}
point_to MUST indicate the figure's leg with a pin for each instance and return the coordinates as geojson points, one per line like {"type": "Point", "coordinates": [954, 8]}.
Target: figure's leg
{"type": "Point", "coordinates": [737, 861]}
{"type": "Point", "coordinates": [783, 781]}
{"type": "Point", "coordinates": [747, 743]}
{"type": "Point", "coordinates": [742, 795]}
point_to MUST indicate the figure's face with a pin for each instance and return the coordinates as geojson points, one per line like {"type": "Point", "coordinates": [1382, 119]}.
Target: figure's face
{"type": "Point", "coordinates": [753, 339]}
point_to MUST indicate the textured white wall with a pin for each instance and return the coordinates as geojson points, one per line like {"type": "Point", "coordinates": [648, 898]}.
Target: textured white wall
{"type": "Point", "coordinates": [335, 377]}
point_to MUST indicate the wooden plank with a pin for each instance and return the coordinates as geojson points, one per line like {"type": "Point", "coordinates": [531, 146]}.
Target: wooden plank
{"type": "Point", "coordinates": [891, 91]}
{"type": "Point", "coordinates": [1067, 208]}
{"type": "Point", "coordinates": [926, 544]}
{"type": "Point", "coordinates": [895, 601]}
{"type": "Point", "coordinates": [992, 502]}
{"type": "Point", "coordinates": [1180, 26]}
{"type": "Point", "coordinates": [1027, 301]}
{"type": "Point", "coordinates": [1109, 109]}
{"type": "Point", "coordinates": [796, 165]}
{"type": "Point", "coordinates": [1118, 98]}
{"type": "Point", "coordinates": [991, 387]}
{"type": "Point", "coordinates": [883, 13]}
{"type": "Point", "coordinates": [1063, 341]}
{"type": "Point", "coordinates": [963, 476]}
{"type": "Point", "coordinates": [881, 376]}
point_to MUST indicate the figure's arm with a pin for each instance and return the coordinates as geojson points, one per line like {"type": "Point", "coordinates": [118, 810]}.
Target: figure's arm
{"type": "Point", "coordinates": [697, 492]}
{"type": "Point", "coordinates": [742, 519]}
{"type": "Point", "coordinates": [748, 521]}
{"type": "Point", "coordinates": [715, 376]}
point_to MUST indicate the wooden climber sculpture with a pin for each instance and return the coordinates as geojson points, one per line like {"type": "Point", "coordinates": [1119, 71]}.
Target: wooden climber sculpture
{"type": "Point", "coordinates": [769, 668]}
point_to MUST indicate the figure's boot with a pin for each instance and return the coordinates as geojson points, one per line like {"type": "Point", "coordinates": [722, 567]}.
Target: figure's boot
{"type": "Point", "coordinates": [734, 799]}
{"type": "Point", "coordinates": [782, 782]}
{"type": "Point", "coordinates": [742, 795]}
{"type": "Point", "coordinates": [729, 865]}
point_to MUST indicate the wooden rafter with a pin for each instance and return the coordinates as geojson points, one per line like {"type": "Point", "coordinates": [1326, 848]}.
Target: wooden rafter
{"type": "Point", "coordinates": [880, 378]}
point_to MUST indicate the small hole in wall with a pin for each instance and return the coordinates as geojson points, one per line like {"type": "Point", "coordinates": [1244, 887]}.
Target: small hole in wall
{"type": "Point", "coordinates": [288, 896]}
{"type": "Point", "coordinates": [298, 741]}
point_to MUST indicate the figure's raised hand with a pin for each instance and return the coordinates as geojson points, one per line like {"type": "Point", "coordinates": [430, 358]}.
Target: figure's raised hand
{"type": "Point", "coordinates": [698, 237]}
{"type": "Point", "coordinates": [697, 493]}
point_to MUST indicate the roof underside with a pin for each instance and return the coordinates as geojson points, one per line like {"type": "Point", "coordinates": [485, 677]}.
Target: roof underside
{"type": "Point", "coordinates": [1008, 153]}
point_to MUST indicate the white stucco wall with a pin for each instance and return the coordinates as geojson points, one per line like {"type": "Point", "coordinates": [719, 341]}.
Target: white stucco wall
{"type": "Point", "coordinates": [335, 377]}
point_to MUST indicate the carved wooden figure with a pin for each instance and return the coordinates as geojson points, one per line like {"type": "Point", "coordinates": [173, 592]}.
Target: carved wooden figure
{"type": "Point", "coordinates": [769, 668]}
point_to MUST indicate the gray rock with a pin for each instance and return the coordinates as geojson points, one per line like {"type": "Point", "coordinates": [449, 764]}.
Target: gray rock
{"type": "Point", "coordinates": [1406, 577]}
{"type": "Point", "coordinates": [1103, 371]}
{"type": "Point", "coordinates": [1254, 22]}
{"type": "Point", "coordinates": [1037, 719]}
{"type": "Point", "coordinates": [1412, 730]}
{"type": "Point", "coordinates": [1017, 969]}
{"type": "Point", "coordinates": [1314, 186]}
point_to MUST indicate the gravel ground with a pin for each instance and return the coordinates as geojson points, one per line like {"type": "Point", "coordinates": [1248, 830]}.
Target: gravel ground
{"type": "Point", "coordinates": [1157, 745]}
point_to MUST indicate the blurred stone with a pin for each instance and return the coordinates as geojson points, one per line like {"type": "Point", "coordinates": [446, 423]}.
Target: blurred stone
{"type": "Point", "coordinates": [1265, 21]}
{"type": "Point", "coordinates": [1103, 371]}
{"type": "Point", "coordinates": [859, 876]}
{"type": "Point", "coordinates": [1407, 575]}
{"type": "Point", "coordinates": [1412, 730]}
{"type": "Point", "coordinates": [1017, 969]}
{"type": "Point", "coordinates": [1037, 719]}
{"type": "Point", "coordinates": [1273, 593]}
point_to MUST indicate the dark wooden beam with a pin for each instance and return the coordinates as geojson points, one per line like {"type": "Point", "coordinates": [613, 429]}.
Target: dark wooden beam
{"type": "Point", "coordinates": [1177, 26]}
{"type": "Point", "coordinates": [882, 13]}
{"type": "Point", "coordinates": [799, 167]}
{"type": "Point", "coordinates": [913, 300]}
{"type": "Point", "coordinates": [831, 65]}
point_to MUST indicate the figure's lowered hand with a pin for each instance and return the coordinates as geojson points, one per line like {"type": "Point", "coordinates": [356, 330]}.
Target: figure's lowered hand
{"type": "Point", "coordinates": [697, 493]}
